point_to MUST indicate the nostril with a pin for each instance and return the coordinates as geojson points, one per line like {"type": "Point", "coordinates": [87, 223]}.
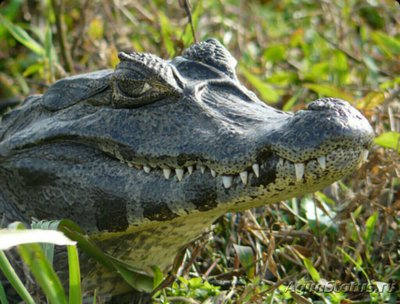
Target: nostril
{"type": "Point", "coordinates": [323, 104]}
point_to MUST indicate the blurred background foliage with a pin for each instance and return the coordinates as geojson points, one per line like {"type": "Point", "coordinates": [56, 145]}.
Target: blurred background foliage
{"type": "Point", "coordinates": [289, 52]}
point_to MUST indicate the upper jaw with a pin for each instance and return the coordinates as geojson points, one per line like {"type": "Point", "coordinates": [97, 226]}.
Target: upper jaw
{"type": "Point", "coordinates": [261, 171]}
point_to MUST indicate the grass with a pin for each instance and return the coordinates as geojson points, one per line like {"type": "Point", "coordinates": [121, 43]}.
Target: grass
{"type": "Point", "coordinates": [289, 53]}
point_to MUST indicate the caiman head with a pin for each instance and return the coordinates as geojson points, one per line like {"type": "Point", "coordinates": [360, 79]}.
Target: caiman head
{"type": "Point", "coordinates": [154, 140]}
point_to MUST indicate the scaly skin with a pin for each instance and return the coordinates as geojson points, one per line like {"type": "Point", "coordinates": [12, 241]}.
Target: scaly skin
{"type": "Point", "coordinates": [146, 157]}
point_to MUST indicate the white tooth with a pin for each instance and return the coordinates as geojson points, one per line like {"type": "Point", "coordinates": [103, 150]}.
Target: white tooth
{"type": "Point", "coordinates": [146, 169]}
{"type": "Point", "coordinates": [299, 169]}
{"type": "Point", "coordinates": [364, 155]}
{"type": "Point", "coordinates": [227, 180]}
{"type": "Point", "coordinates": [243, 177]}
{"type": "Point", "coordinates": [167, 173]}
{"type": "Point", "coordinates": [130, 165]}
{"type": "Point", "coordinates": [179, 174]}
{"type": "Point", "coordinates": [213, 173]}
{"type": "Point", "coordinates": [190, 169]}
{"type": "Point", "coordinates": [322, 162]}
{"type": "Point", "coordinates": [203, 169]}
{"type": "Point", "coordinates": [256, 169]}
{"type": "Point", "coordinates": [280, 161]}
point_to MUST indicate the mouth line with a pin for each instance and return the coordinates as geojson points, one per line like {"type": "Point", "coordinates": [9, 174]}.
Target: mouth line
{"type": "Point", "coordinates": [298, 171]}
{"type": "Point", "coordinates": [253, 171]}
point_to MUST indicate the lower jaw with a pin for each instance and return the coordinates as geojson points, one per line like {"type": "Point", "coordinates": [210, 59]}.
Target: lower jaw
{"type": "Point", "coordinates": [287, 183]}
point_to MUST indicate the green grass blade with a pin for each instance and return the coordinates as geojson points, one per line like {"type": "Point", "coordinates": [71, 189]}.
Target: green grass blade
{"type": "Point", "coordinates": [22, 36]}
{"type": "Point", "coordinates": [3, 296]}
{"type": "Point", "coordinates": [246, 258]}
{"type": "Point", "coordinates": [75, 290]}
{"type": "Point", "coordinates": [329, 90]}
{"type": "Point", "coordinates": [370, 227]}
{"type": "Point", "coordinates": [34, 257]}
{"type": "Point", "coordinates": [47, 247]}
{"type": "Point", "coordinates": [14, 280]}
{"type": "Point", "coordinates": [311, 270]}
{"type": "Point", "coordinates": [134, 277]}
{"type": "Point", "coordinates": [267, 92]}
{"type": "Point", "coordinates": [389, 140]}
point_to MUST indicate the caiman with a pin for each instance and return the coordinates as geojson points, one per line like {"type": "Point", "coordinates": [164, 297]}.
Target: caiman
{"type": "Point", "coordinates": [147, 156]}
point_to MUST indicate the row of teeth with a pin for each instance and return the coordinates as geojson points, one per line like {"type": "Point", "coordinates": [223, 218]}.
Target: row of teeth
{"type": "Point", "coordinates": [244, 176]}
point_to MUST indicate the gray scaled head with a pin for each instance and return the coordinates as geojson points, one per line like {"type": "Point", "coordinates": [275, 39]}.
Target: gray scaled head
{"type": "Point", "coordinates": [154, 140]}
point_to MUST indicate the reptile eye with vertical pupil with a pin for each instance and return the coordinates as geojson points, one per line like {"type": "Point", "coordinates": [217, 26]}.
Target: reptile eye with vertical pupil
{"type": "Point", "coordinates": [133, 88]}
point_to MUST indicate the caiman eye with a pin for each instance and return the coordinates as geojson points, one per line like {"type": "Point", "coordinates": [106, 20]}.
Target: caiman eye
{"type": "Point", "coordinates": [133, 88]}
{"type": "Point", "coordinates": [142, 79]}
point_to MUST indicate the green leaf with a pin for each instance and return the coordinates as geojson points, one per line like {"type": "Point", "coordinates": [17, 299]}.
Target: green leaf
{"type": "Point", "coordinates": [266, 91]}
{"type": "Point", "coordinates": [389, 140]}
{"type": "Point", "coordinates": [311, 270]}
{"type": "Point", "coordinates": [341, 68]}
{"type": "Point", "coordinates": [34, 68]}
{"type": "Point", "coordinates": [14, 280]}
{"type": "Point", "coordinates": [136, 278]}
{"type": "Point", "coordinates": [246, 258]}
{"type": "Point", "coordinates": [95, 29]}
{"type": "Point", "coordinates": [357, 263]}
{"type": "Point", "coordinates": [138, 281]}
{"type": "Point", "coordinates": [369, 227]}
{"type": "Point", "coordinates": [318, 72]}
{"type": "Point", "coordinates": [275, 53]}
{"type": "Point", "coordinates": [47, 247]}
{"type": "Point", "coordinates": [34, 257]}
{"type": "Point", "coordinates": [75, 289]}
{"type": "Point", "coordinates": [3, 296]}
{"type": "Point", "coordinates": [328, 90]}
{"type": "Point", "coordinates": [158, 277]}
{"type": "Point", "coordinates": [22, 36]}
{"type": "Point", "coordinates": [166, 27]}
{"type": "Point", "coordinates": [388, 44]}
{"type": "Point", "coordinates": [283, 78]}
{"type": "Point", "coordinates": [292, 101]}
{"type": "Point", "coordinates": [371, 100]}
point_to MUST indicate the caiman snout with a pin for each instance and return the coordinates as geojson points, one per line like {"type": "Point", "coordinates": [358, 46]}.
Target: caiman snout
{"type": "Point", "coordinates": [326, 125]}
{"type": "Point", "coordinates": [343, 121]}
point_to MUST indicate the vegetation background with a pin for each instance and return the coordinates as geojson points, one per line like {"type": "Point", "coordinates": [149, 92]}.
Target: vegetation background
{"type": "Point", "coordinates": [289, 52]}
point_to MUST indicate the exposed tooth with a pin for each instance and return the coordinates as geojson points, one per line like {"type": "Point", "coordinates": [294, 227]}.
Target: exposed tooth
{"type": "Point", "coordinates": [146, 169]}
{"type": "Point", "coordinates": [299, 169]}
{"type": "Point", "coordinates": [256, 169]}
{"type": "Point", "coordinates": [364, 155]}
{"type": "Point", "coordinates": [167, 173]}
{"type": "Point", "coordinates": [322, 162]}
{"type": "Point", "coordinates": [190, 169]}
{"type": "Point", "coordinates": [227, 180]}
{"type": "Point", "coordinates": [179, 174]}
{"type": "Point", "coordinates": [203, 169]}
{"type": "Point", "coordinates": [213, 173]}
{"type": "Point", "coordinates": [130, 165]}
{"type": "Point", "coordinates": [243, 177]}
{"type": "Point", "coordinates": [280, 161]}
